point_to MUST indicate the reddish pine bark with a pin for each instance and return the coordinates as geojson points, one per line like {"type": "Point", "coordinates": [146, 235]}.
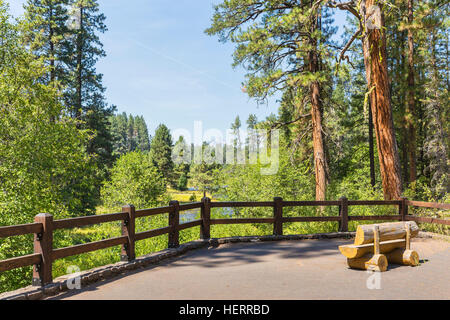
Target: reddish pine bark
{"type": "Point", "coordinates": [375, 60]}
{"type": "Point", "coordinates": [320, 162]}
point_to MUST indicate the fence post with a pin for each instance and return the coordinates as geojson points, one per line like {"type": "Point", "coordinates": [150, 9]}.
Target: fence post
{"type": "Point", "coordinates": [128, 229]}
{"type": "Point", "coordinates": [43, 244]}
{"type": "Point", "coordinates": [278, 216]}
{"type": "Point", "coordinates": [205, 230]}
{"type": "Point", "coordinates": [403, 208]}
{"type": "Point", "coordinates": [174, 221]}
{"type": "Point", "coordinates": [343, 213]}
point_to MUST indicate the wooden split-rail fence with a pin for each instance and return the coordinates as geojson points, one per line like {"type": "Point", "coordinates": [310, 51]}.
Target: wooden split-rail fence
{"type": "Point", "coordinates": [43, 227]}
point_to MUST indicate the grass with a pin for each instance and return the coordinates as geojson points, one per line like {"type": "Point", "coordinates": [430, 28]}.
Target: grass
{"type": "Point", "coordinates": [186, 196]}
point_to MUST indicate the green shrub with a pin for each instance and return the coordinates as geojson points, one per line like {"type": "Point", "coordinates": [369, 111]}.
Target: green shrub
{"type": "Point", "coordinates": [134, 180]}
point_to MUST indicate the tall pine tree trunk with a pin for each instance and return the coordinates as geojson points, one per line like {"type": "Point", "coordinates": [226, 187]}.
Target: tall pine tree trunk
{"type": "Point", "coordinates": [374, 47]}
{"type": "Point", "coordinates": [320, 162]}
{"type": "Point", "coordinates": [411, 108]}
{"type": "Point", "coordinates": [371, 149]}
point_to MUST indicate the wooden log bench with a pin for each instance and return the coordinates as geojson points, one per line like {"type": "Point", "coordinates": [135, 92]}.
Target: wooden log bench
{"type": "Point", "coordinates": [377, 245]}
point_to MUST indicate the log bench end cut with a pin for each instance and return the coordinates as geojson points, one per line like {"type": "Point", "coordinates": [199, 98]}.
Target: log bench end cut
{"type": "Point", "coordinates": [372, 262]}
{"type": "Point", "coordinates": [403, 257]}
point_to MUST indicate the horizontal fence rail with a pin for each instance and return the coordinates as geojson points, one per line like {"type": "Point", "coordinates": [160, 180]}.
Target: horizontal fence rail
{"type": "Point", "coordinates": [87, 247]}
{"type": "Point", "coordinates": [152, 233]}
{"type": "Point", "coordinates": [429, 220]}
{"type": "Point", "coordinates": [311, 219]}
{"type": "Point", "coordinates": [253, 204]}
{"type": "Point", "coordinates": [19, 262]}
{"type": "Point", "coordinates": [11, 231]}
{"type": "Point", "coordinates": [310, 203]}
{"type": "Point", "coordinates": [153, 212]}
{"type": "Point", "coordinates": [242, 220]}
{"type": "Point", "coordinates": [43, 227]}
{"type": "Point", "coordinates": [433, 205]}
{"type": "Point", "coordinates": [372, 218]}
{"type": "Point", "coordinates": [86, 221]}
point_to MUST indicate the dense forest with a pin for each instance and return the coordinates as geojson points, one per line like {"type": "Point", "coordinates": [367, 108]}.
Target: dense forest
{"type": "Point", "coordinates": [364, 116]}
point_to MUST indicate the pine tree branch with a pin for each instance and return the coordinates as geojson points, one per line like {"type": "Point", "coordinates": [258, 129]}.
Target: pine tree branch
{"type": "Point", "coordinates": [342, 55]}
{"type": "Point", "coordinates": [282, 124]}
{"type": "Point", "coordinates": [348, 6]}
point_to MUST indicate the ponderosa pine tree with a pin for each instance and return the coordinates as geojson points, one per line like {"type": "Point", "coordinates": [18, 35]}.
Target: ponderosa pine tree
{"type": "Point", "coordinates": [280, 43]}
{"type": "Point", "coordinates": [314, 67]}
{"type": "Point", "coordinates": [370, 15]}
{"type": "Point", "coordinates": [397, 59]}
{"type": "Point", "coordinates": [408, 34]}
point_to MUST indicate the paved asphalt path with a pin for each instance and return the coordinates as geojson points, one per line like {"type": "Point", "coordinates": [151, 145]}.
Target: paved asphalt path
{"type": "Point", "coordinates": [307, 269]}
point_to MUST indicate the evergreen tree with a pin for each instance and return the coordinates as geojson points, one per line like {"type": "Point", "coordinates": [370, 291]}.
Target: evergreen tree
{"type": "Point", "coordinates": [436, 100]}
{"type": "Point", "coordinates": [372, 31]}
{"type": "Point", "coordinates": [350, 121]}
{"type": "Point", "coordinates": [411, 100]}
{"type": "Point", "coordinates": [182, 158]}
{"type": "Point", "coordinates": [119, 125]}
{"type": "Point", "coordinates": [84, 95]}
{"type": "Point", "coordinates": [236, 127]}
{"type": "Point", "coordinates": [44, 166]}
{"type": "Point", "coordinates": [161, 152]}
{"type": "Point", "coordinates": [71, 50]}
{"type": "Point", "coordinates": [281, 44]}
{"type": "Point", "coordinates": [252, 121]}
{"type": "Point", "coordinates": [203, 175]}
{"type": "Point", "coordinates": [43, 30]}
{"type": "Point", "coordinates": [142, 136]}
{"type": "Point", "coordinates": [129, 134]}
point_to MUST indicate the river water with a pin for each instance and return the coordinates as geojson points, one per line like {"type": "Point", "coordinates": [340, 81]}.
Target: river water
{"type": "Point", "coordinates": [194, 214]}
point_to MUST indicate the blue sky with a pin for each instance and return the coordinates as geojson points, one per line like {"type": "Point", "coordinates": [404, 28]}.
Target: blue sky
{"type": "Point", "coordinates": [161, 65]}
